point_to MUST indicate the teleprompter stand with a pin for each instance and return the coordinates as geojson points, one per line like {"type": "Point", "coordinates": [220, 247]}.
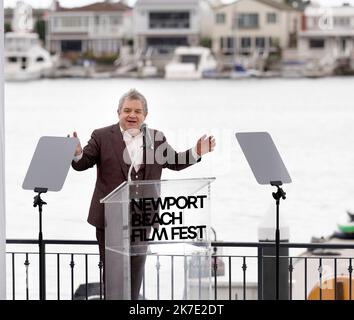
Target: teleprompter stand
{"type": "Point", "coordinates": [280, 194]}
{"type": "Point", "coordinates": [268, 168]}
{"type": "Point", "coordinates": [47, 172]}
{"type": "Point", "coordinates": [39, 202]}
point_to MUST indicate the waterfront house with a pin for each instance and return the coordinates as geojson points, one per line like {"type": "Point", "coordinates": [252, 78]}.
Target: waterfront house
{"type": "Point", "coordinates": [328, 34]}
{"type": "Point", "coordinates": [254, 27]}
{"type": "Point", "coordinates": [160, 26]}
{"type": "Point", "coordinates": [100, 28]}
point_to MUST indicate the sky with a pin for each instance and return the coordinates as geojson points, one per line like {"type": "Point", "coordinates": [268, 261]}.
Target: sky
{"type": "Point", "coordinates": [74, 3]}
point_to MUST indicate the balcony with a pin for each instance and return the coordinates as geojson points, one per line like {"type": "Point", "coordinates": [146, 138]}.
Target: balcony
{"type": "Point", "coordinates": [169, 20]}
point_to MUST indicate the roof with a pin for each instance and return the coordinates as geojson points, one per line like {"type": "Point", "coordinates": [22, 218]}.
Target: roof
{"type": "Point", "coordinates": [164, 2]}
{"type": "Point", "coordinates": [299, 4]}
{"type": "Point", "coordinates": [277, 5]}
{"type": "Point", "coordinates": [97, 6]}
{"type": "Point", "coordinates": [271, 3]}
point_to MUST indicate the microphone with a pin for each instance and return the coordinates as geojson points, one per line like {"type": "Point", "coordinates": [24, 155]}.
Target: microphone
{"type": "Point", "coordinates": [148, 141]}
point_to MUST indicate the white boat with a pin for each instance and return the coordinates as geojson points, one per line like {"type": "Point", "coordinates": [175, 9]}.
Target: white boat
{"type": "Point", "coordinates": [319, 67]}
{"type": "Point", "coordinates": [190, 63]}
{"type": "Point", "coordinates": [292, 69]}
{"type": "Point", "coordinates": [24, 57]}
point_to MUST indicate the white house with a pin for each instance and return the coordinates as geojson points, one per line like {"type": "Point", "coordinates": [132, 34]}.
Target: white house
{"type": "Point", "coordinates": [100, 28]}
{"type": "Point", "coordinates": [328, 32]}
{"type": "Point", "coordinates": [247, 26]}
{"type": "Point", "coordinates": [160, 26]}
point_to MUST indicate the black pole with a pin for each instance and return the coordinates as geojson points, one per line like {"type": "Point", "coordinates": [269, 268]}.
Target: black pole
{"type": "Point", "coordinates": [39, 202]}
{"type": "Point", "coordinates": [277, 245]}
{"type": "Point", "coordinates": [280, 194]}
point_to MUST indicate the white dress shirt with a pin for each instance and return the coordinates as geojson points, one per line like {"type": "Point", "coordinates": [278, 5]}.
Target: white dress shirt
{"type": "Point", "coordinates": [134, 142]}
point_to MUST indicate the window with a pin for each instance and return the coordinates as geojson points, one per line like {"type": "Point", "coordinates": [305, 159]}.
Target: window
{"type": "Point", "coordinates": [295, 25]}
{"type": "Point", "coordinates": [189, 58]}
{"type": "Point", "coordinates": [227, 45]}
{"type": "Point", "coordinates": [71, 45]}
{"type": "Point", "coordinates": [317, 43]}
{"type": "Point", "coordinates": [341, 21]}
{"type": "Point", "coordinates": [71, 22]}
{"type": "Point", "coordinates": [115, 20]}
{"type": "Point", "coordinates": [274, 42]}
{"type": "Point", "coordinates": [343, 44]}
{"type": "Point", "coordinates": [271, 17]}
{"type": "Point", "coordinates": [12, 59]}
{"type": "Point", "coordinates": [220, 18]}
{"type": "Point", "coordinates": [247, 20]}
{"type": "Point", "coordinates": [230, 42]}
{"type": "Point", "coordinates": [169, 20]}
{"type": "Point", "coordinates": [97, 20]}
{"type": "Point", "coordinates": [245, 43]}
{"type": "Point", "coordinates": [260, 42]}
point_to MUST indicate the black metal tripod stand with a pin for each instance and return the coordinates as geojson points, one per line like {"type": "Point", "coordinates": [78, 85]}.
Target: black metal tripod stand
{"type": "Point", "coordinates": [39, 202]}
{"type": "Point", "coordinates": [280, 194]}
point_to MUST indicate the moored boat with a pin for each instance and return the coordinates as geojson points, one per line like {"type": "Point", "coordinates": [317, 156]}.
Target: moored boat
{"type": "Point", "coordinates": [190, 63]}
{"type": "Point", "coordinates": [24, 57]}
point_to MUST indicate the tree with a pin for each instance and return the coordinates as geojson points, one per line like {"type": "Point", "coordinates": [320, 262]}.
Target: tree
{"type": "Point", "coordinates": [40, 29]}
{"type": "Point", "coordinates": [7, 27]}
{"type": "Point", "coordinates": [205, 42]}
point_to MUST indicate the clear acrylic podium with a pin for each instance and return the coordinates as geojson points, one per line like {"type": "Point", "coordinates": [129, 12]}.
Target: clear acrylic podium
{"type": "Point", "coordinates": [167, 224]}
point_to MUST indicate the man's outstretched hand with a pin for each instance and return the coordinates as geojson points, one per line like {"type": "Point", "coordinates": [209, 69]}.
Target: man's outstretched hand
{"type": "Point", "coordinates": [78, 149]}
{"type": "Point", "coordinates": [205, 144]}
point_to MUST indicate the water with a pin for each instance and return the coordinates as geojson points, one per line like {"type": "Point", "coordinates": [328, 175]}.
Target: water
{"type": "Point", "coordinates": [311, 122]}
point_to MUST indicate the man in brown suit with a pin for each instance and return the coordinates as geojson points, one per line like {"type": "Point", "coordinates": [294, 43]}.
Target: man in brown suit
{"type": "Point", "coordinates": [116, 149]}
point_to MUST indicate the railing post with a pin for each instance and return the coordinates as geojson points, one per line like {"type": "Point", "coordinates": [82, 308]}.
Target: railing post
{"type": "Point", "coordinates": [269, 274]}
{"type": "Point", "coordinates": [260, 272]}
{"type": "Point", "coordinates": [350, 270]}
{"type": "Point", "coordinates": [100, 267]}
{"type": "Point", "coordinates": [27, 263]}
{"type": "Point", "coordinates": [244, 268]}
{"type": "Point", "coordinates": [13, 277]}
{"type": "Point", "coordinates": [42, 271]}
{"type": "Point", "coordinates": [72, 265]}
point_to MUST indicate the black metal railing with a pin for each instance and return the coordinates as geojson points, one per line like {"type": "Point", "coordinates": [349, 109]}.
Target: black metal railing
{"type": "Point", "coordinates": [59, 274]}
{"type": "Point", "coordinates": [73, 274]}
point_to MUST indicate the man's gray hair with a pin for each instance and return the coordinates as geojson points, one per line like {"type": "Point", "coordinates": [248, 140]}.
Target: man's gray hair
{"type": "Point", "coordinates": [133, 94]}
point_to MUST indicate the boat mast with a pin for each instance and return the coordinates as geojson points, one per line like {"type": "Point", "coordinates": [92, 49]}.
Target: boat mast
{"type": "Point", "coordinates": [2, 164]}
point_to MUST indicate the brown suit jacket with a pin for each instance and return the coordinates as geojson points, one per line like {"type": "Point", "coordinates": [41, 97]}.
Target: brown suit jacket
{"type": "Point", "coordinates": [105, 150]}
